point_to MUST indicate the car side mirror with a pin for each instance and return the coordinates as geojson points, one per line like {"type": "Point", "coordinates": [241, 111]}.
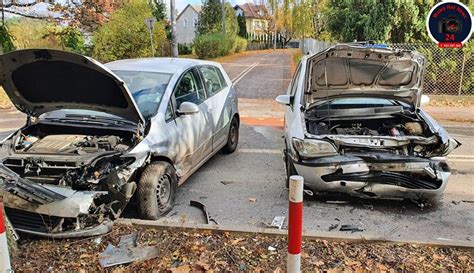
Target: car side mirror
{"type": "Point", "coordinates": [425, 100]}
{"type": "Point", "coordinates": [188, 108]}
{"type": "Point", "coordinates": [284, 99]}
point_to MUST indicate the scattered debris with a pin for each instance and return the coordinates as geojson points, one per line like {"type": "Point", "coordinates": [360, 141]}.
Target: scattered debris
{"type": "Point", "coordinates": [271, 248]}
{"type": "Point", "coordinates": [456, 202]}
{"type": "Point", "coordinates": [202, 207]}
{"type": "Point", "coordinates": [336, 202]}
{"type": "Point", "coordinates": [126, 251]}
{"type": "Point", "coordinates": [332, 227]}
{"type": "Point", "coordinates": [308, 192]}
{"type": "Point", "coordinates": [98, 240]}
{"type": "Point", "coordinates": [351, 228]}
{"type": "Point", "coordinates": [252, 199]}
{"type": "Point", "coordinates": [369, 206]}
{"type": "Point", "coordinates": [337, 219]}
{"type": "Point", "coordinates": [468, 201]}
{"type": "Point", "coordinates": [224, 182]}
{"type": "Point", "coordinates": [278, 222]}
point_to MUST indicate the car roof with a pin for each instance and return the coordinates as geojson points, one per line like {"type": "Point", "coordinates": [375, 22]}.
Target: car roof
{"type": "Point", "coordinates": [163, 65]}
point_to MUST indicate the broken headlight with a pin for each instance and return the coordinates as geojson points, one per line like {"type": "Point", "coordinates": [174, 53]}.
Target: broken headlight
{"type": "Point", "coordinates": [313, 148]}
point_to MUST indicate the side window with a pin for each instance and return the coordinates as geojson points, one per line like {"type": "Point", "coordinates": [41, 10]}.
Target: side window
{"type": "Point", "coordinates": [294, 82]}
{"type": "Point", "coordinates": [211, 80]}
{"type": "Point", "coordinates": [221, 77]}
{"type": "Point", "coordinates": [190, 88]}
{"type": "Point", "coordinates": [169, 112]}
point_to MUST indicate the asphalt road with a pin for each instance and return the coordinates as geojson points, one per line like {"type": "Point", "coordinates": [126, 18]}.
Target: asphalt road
{"type": "Point", "coordinates": [246, 189]}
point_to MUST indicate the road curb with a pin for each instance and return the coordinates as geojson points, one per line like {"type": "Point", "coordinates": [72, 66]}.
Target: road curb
{"type": "Point", "coordinates": [366, 238]}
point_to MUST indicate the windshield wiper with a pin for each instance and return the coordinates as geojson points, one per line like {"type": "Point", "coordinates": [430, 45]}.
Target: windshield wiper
{"type": "Point", "coordinates": [100, 119]}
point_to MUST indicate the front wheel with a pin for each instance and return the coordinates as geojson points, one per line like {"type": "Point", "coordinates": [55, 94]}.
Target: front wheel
{"type": "Point", "coordinates": [232, 137]}
{"type": "Point", "coordinates": [156, 190]}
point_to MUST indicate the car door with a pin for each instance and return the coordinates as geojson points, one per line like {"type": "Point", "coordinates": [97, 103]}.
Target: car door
{"type": "Point", "coordinates": [193, 132]}
{"type": "Point", "coordinates": [217, 91]}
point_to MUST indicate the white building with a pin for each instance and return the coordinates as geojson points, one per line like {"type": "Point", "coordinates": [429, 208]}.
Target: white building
{"type": "Point", "coordinates": [186, 24]}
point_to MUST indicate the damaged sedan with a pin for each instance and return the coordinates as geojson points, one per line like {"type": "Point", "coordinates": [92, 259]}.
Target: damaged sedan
{"type": "Point", "coordinates": [353, 124]}
{"type": "Point", "coordinates": [97, 136]}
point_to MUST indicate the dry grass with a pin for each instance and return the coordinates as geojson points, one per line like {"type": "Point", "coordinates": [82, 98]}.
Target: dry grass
{"type": "Point", "coordinates": [5, 102]}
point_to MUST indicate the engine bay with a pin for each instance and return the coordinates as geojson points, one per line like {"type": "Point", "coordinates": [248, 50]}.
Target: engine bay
{"type": "Point", "coordinates": [59, 155]}
{"type": "Point", "coordinates": [371, 127]}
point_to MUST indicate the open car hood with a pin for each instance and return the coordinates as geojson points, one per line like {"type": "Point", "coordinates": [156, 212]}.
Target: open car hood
{"type": "Point", "coordinates": [355, 70]}
{"type": "Point", "coordinates": [42, 80]}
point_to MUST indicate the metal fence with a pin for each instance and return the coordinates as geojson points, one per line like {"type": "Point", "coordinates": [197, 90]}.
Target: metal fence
{"type": "Point", "coordinates": [448, 72]}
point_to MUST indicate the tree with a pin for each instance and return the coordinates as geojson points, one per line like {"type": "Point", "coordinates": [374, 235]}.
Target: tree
{"type": "Point", "coordinates": [88, 15]}
{"type": "Point", "coordinates": [158, 9]}
{"type": "Point", "coordinates": [394, 21]}
{"type": "Point", "coordinates": [6, 40]}
{"type": "Point", "coordinates": [303, 18]}
{"type": "Point", "coordinates": [70, 38]}
{"type": "Point", "coordinates": [125, 35]}
{"type": "Point", "coordinates": [242, 26]}
{"type": "Point", "coordinates": [210, 19]}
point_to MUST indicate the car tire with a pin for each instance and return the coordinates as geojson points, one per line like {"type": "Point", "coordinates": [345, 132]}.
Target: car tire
{"type": "Point", "coordinates": [232, 137]}
{"type": "Point", "coordinates": [156, 190]}
{"type": "Point", "coordinates": [289, 168]}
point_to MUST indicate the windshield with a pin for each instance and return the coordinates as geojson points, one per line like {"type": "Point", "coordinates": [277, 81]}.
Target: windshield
{"type": "Point", "coordinates": [147, 89]}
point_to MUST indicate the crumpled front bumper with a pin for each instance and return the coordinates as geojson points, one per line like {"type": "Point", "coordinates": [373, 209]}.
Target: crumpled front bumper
{"type": "Point", "coordinates": [49, 210]}
{"type": "Point", "coordinates": [376, 175]}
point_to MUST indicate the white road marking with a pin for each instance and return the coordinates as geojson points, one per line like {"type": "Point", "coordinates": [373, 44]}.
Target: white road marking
{"type": "Point", "coordinates": [451, 158]}
{"type": "Point", "coordinates": [260, 151]}
{"type": "Point", "coordinates": [247, 67]}
{"type": "Point", "coordinates": [243, 73]}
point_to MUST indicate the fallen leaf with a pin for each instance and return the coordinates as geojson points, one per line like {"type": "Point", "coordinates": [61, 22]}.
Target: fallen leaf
{"type": "Point", "coordinates": [181, 269]}
{"type": "Point", "coordinates": [236, 241]}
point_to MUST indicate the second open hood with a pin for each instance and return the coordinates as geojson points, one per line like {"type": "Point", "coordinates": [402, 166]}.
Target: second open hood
{"type": "Point", "coordinates": [355, 70]}
{"type": "Point", "coordinates": [43, 80]}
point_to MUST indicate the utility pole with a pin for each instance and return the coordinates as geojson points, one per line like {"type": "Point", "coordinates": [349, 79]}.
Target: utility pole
{"type": "Point", "coordinates": [223, 17]}
{"type": "Point", "coordinates": [174, 44]}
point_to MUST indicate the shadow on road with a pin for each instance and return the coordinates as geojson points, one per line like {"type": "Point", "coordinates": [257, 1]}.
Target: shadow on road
{"type": "Point", "coordinates": [393, 206]}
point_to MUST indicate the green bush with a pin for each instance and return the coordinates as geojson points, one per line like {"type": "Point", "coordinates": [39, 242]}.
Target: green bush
{"type": "Point", "coordinates": [240, 44]}
{"type": "Point", "coordinates": [184, 49]}
{"type": "Point", "coordinates": [125, 35]}
{"type": "Point", "coordinates": [213, 45]}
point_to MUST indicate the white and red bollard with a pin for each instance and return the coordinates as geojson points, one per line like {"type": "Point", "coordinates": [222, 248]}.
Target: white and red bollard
{"type": "Point", "coordinates": [4, 255]}
{"type": "Point", "coordinates": [295, 224]}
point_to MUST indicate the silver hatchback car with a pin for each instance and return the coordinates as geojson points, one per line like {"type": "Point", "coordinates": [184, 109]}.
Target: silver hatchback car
{"type": "Point", "coordinates": [97, 135]}
{"type": "Point", "coordinates": [353, 124]}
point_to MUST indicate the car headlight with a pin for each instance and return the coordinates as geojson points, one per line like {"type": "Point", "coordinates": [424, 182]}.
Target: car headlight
{"type": "Point", "coordinates": [313, 148]}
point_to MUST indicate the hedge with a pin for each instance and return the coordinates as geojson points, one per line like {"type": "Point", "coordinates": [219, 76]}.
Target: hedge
{"type": "Point", "coordinates": [213, 45]}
